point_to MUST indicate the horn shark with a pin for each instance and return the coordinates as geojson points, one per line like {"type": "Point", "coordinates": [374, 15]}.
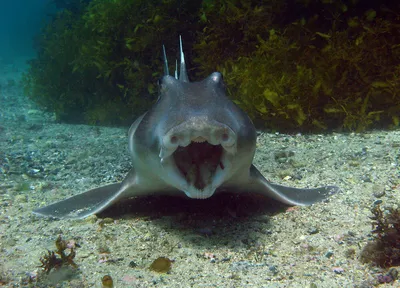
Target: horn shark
{"type": "Point", "coordinates": [193, 141]}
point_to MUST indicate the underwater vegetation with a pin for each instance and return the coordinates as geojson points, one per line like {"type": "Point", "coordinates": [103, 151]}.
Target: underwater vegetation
{"type": "Point", "coordinates": [305, 65]}
{"type": "Point", "coordinates": [334, 70]}
{"type": "Point", "coordinates": [384, 250]}
{"type": "Point", "coordinates": [100, 65]}
{"type": "Point", "coordinates": [59, 258]}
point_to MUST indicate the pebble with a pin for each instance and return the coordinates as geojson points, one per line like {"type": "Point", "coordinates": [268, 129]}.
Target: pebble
{"type": "Point", "coordinates": [366, 178]}
{"type": "Point", "coordinates": [273, 269]}
{"type": "Point", "coordinates": [313, 230]}
{"type": "Point", "coordinates": [329, 254]}
{"type": "Point", "coordinates": [338, 270]}
{"type": "Point", "coordinates": [378, 191]}
{"type": "Point", "coordinates": [132, 264]}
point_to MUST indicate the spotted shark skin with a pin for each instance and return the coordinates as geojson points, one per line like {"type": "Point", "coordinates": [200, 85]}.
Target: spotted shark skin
{"type": "Point", "coordinates": [194, 141]}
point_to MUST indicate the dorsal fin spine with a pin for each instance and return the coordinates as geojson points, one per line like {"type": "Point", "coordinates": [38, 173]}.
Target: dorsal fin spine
{"type": "Point", "coordinates": [183, 77]}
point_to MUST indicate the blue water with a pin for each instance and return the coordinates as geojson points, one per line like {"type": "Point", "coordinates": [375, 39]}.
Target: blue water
{"type": "Point", "coordinates": [20, 21]}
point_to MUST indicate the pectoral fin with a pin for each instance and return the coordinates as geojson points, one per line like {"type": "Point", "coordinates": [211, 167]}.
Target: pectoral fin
{"type": "Point", "coordinates": [288, 195]}
{"type": "Point", "coordinates": [82, 205]}
{"type": "Point", "coordinates": [92, 201]}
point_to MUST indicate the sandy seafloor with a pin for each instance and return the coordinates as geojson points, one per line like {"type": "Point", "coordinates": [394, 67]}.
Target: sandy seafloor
{"type": "Point", "coordinates": [225, 241]}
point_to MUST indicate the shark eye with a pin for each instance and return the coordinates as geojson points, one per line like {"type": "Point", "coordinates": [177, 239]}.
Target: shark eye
{"type": "Point", "coordinates": [173, 140]}
{"type": "Point", "coordinates": [225, 137]}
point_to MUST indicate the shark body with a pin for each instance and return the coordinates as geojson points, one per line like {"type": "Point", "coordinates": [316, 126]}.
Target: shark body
{"type": "Point", "coordinates": [194, 140]}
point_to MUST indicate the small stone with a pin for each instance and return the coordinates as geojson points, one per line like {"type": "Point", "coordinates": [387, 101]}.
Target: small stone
{"type": "Point", "coordinates": [338, 270]}
{"type": "Point", "coordinates": [313, 230]}
{"type": "Point", "coordinates": [329, 254]}
{"type": "Point", "coordinates": [132, 264]}
{"type": "Point", "coordinates": [351, 233]}
{"type": "Point", "coordinates": [302, 237]}
{"type": "Point", "coordinates": [366, 178]}
{"type": "Point", "coordinates": [273, 269]}
{"type": "Point", "coordinates": [378, 191]}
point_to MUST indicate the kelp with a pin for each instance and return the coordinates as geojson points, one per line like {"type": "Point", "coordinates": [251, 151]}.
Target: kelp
{"type": "Point", "coordinates": [384, 250]}
{"type": "Point", "coordinates": [310, 80]}
{"type": "Point", "coordinates": [101, 66]}
{"type": "Point", "coordinates": [330, 65]}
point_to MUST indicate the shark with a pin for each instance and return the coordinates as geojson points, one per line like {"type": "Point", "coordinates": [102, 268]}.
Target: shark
{"type": "Point", "coordinates": [193, 141]}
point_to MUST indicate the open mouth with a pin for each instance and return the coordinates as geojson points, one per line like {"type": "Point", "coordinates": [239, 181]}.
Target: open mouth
{"type": "Point", "coordinates": [198, 163]}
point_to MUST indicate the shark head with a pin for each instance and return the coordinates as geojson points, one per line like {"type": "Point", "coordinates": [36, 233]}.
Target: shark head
{"type": "Point", "coordinates": [199, 138]}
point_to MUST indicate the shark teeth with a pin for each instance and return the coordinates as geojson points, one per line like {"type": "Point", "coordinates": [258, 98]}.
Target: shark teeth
{"type": "Point", "coordinates": [198, 168]}
{"type": "Point", "coordinates": [199, 139]}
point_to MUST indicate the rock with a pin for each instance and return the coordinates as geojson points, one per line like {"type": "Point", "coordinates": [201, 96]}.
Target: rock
{"type": "Point", "coordinates": [378, 191]}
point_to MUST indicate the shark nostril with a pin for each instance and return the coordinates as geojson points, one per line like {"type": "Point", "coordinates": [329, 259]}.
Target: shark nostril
{"type": "Point", "coordinates": [173, 139]}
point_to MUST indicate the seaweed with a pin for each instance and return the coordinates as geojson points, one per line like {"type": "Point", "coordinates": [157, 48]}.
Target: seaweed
{"type": "Point", "coordinates": [303, 65]}
{"type": "Point", "coordinates": [57, 259]}
{"type": "Point", "coordinates": [384, 250]}
{"type": "Point", "coordinates": [100, 66]}
{"type": "Point", "coordinates": [332, 70]}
